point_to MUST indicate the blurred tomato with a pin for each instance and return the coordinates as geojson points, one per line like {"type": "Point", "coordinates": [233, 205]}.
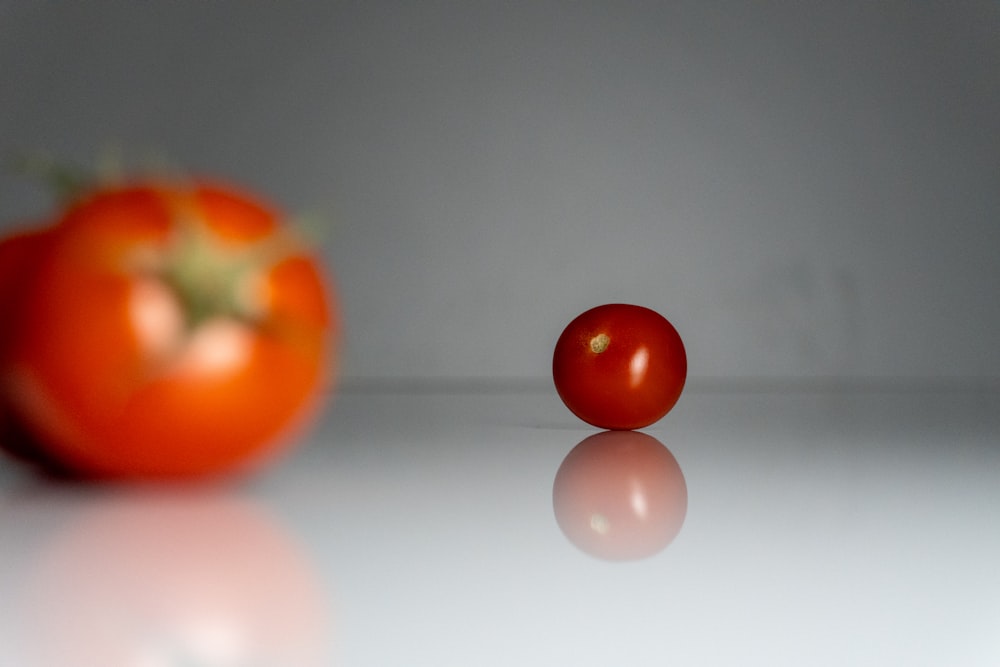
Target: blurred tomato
{"type": "Point", "coordinates": [620, 495]}
{"type": "Point", "coordinates": [165, 329]}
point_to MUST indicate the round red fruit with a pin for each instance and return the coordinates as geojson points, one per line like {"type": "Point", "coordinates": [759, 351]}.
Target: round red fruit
{"type": "Point", "coordinates": [165, 329]}
{"type": "Point", "coordinates": [619, 366]}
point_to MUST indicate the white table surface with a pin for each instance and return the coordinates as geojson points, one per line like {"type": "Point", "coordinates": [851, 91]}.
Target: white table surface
{"type": "Point", "coordinates": [417, 527]}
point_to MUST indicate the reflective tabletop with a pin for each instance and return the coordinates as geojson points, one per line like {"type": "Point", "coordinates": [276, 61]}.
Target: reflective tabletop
{"type": "Point", "coordinates": [485, 525]}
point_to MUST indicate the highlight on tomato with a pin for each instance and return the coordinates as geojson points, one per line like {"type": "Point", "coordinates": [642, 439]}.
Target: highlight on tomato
{"type": "Point", "coordinates": [164, 328]}
{"type": "Point", "coordinates": [619, 366]}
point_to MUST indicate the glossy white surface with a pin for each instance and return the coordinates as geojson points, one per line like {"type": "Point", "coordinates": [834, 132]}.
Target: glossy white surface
{"type": "Point", "coordinates": [417, 528]}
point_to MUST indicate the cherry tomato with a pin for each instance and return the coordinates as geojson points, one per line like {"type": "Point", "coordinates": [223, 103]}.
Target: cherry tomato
{"type": "Point", "coordinates": [167, 329]}
{"type": "Point", "coordinates": [620, 495]}
{"type": "Point", "coordinates": [619, 366]}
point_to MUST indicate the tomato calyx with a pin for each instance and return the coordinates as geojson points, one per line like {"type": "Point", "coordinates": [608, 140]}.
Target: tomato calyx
{"type": "Point", "coordinates": [211, 280]}
{"type": "Point", "coordinates": [211, 277]}
{"type": "Point", "coordinates": [199, 298]}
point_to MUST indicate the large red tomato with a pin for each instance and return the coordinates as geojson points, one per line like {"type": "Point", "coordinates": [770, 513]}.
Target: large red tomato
{"type": "Point", "coordinates": [167, 329]}
{"type": "Point", "coordinates": [619, 366]}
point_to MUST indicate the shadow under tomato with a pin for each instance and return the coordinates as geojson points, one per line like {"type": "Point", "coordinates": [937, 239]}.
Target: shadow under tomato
{"type": "Point", "coordinates": [619, 496]}
{"type": "Point", "coordinates": [20, 447]}
{"type": "Point", "coordinates": [165, 577]}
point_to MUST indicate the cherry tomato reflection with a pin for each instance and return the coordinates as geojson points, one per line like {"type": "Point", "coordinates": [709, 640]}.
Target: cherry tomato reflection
{"type": "Point", "coordinates": [620, 495]}
{"type": "Point", "coordinates": [165, 579]}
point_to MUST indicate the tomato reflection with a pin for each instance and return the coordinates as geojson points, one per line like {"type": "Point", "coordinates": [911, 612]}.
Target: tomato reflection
{"type": "Point", "coordinates": [160, 578]}
{"type": "Point", "coordinates": [620, 495]}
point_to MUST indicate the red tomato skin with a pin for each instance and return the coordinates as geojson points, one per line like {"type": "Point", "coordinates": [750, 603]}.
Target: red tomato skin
{"type": "Point", "coordinates": [19, 254]}
{"type": "Point", "coordinates": [83, 379]}
{"type": "Point", "coordinates": [619, 366]}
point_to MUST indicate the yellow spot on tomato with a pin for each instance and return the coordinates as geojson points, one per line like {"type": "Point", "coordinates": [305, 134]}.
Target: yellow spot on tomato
{"type": "Point", "coordinates": [599, 343]}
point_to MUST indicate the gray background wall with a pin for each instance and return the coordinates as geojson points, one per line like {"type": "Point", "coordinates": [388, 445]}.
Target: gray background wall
{"type": "Point", "coordinates": [806, 189]}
